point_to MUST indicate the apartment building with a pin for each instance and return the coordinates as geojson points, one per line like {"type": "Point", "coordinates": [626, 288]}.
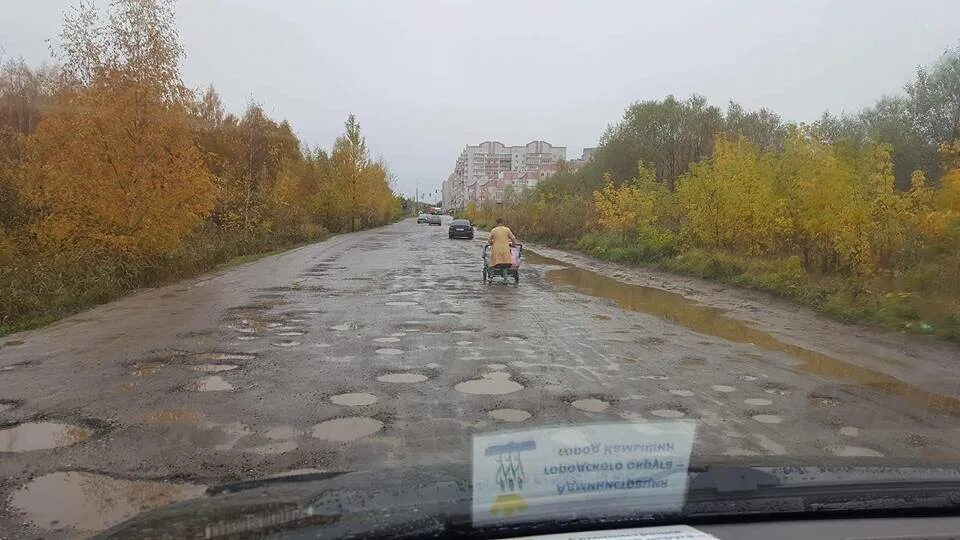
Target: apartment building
{"type": "Point", "coordinates": [484, 171]}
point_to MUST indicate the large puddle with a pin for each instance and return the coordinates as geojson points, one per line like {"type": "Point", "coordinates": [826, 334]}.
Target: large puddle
{"type": "Point", "coordinates": [92, 502]}
{"type": "Point", "coordinates": [701, 318]}
{"type": "Point", "coordinates": [41, 436]}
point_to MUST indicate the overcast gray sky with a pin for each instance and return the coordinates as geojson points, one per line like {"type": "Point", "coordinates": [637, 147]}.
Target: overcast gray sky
{"type": "Point", "coordinates": [426, 78]}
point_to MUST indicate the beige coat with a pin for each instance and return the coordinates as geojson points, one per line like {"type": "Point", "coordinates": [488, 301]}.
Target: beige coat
{"type": "Point", "coordinates": [500, 238]}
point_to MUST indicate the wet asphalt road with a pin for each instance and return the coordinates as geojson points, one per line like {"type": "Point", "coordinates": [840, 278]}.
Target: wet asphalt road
{"type": "Point", "coordinates": [385, 349]}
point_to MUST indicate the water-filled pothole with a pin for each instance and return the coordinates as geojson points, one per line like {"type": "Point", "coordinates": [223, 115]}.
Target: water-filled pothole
{"type": "Point", "coordinates": [668, 413]}
{"type": "Point", "coordinates": [346, 326]}
{"type": "Point", "coordinates": [41, 436]}
{"type": "Point", "coordinates": [354, 399]}
{"type": "Point", "coordinates": [213, 383]}
{"type": "Point", "coordinates": [346, 429]}
{"type": "Point", "coordinates": [402, 378]}
{"type": "Point", "coordinates": [389, 352]}
{"type": "Point", "coordinates": [89, 502]}
{"type": "Point", "coordinates": [509, 415]}
{"type": "Point", "coordinates": [492, 384]}
{"type": "Point", "coordinates": [220, 356]}
{"type": "Point", "coordinates": [214, 368]}
{"type": "Point", "coordinates": [854, 451]}
{"type": "Point", "coordinates": [590, 405]}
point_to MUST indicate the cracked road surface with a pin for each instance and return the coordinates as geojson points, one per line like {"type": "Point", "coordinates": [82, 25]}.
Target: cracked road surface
{"type": "Point", "coordinates": [383, 348]}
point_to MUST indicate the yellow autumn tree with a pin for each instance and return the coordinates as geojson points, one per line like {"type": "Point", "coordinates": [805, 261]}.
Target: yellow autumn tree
{"type": "Point", "coordinates": [114, 166]}
{"type": "Point", "coordinates": [727, 201]}
{"type": "Point", "coordinates": [635, 205]}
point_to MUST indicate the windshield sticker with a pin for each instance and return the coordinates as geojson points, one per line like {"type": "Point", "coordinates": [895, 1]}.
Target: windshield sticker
{"type": "Point", "coordinates": [671, 532]}
{"type": "Point", "coordinates": [580, 471]}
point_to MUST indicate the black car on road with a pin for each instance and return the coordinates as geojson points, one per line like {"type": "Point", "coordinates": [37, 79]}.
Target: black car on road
{"type": "Point", "coordinates": [461, 228]}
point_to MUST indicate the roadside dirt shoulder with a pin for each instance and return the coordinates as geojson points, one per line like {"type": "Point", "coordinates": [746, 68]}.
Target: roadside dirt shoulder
{"type": "Point", "coordinates": [918, 360]}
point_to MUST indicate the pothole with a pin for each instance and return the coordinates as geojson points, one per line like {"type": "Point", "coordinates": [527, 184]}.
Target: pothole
{"type": "Point", "coordinates": [401, 303]}
{"type": "Point", "coordinates": [850, 431]}
{"type": "Point", "coordinates": [590, 405]}
{"type": "Point", "coordinates": [220, 357]}
{"type": "Point", "coordinates": [496, 367]}
{"type": "Point", "coordinates": [668, 413]}
{"type": "Point", "coordinates": [723, 388]}
{"type": "Point", "coordinates": [142, 369]}
{"type": "Point", "coordinates": [354, 399]}
{"type": "Point", "coordinates": [492, 384]}
{"type": "Point", "coordinates": [509, 415]}
{"type": "Point", "coordinates": [93, 502]}
{"type": "Point", "coordinates": [402, 378]}
{"type": "Point", "coordinates": [290, 334]}
{"type": "Point", "coordinates": [853, 451]}
{"type": "Point", "coordinates": [41, 436]}
{"type": "Point", "coordinates": [214, 368]}
{"type": "Point", "coordinates": [213, 383]}
{"type": "Point", "coordinates": [682, 393]}
{"type": "Point", "coordinates": [346, 429]}
{"type": "Point", "coordinates": [7, 406]}
{"type": "Point", "coordinates": [286, 344]}
{"type": "Point", "coordinates": [347, 326]}
{"type": "Point", "coordinates": [389, 352]}
{"type": "Point", "coordinates": [759, 402]}
{"type": "Point", "coordinates": [386, 340]}
{"type": "Point", "coordinates": [767, 418]}
{"type": "Point", "coordinates": [464, 343]}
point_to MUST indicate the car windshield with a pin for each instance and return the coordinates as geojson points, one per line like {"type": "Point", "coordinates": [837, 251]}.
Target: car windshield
{"type": "Point", "coordinates": [492, 268]}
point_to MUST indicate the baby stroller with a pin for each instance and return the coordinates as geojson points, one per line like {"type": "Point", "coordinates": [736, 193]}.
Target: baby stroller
{"type": "Point", "coordinates": [503, 271]}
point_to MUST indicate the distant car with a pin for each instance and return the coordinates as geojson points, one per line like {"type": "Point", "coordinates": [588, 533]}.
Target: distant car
{"type": "Point", "coordinates": [422, 218]}
{"type": "Point", "coordinates": [434, 220]}
{"type": "Point", "coordinates": [461, 228]}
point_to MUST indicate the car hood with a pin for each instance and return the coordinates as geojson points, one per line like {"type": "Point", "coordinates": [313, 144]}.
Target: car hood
{"type": "Point", "coordinates": [427, 501]}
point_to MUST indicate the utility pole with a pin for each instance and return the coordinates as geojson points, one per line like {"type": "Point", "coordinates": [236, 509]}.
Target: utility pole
{"type": "Point", "coordinates": [416, 199]}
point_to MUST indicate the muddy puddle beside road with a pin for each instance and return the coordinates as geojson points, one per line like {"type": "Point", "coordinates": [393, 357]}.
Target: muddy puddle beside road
{"type": "Point", "coordinates": [704, 319]}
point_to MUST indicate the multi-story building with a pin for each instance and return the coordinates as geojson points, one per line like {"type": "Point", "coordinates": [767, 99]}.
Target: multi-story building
{"type": "Point", "coordinates": [482, 172]}
{"type": "Point", "coordinates": [576, 164]}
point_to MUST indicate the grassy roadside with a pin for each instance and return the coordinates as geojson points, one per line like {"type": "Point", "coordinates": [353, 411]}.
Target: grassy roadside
{"type": "Point", "coordinates": [912, 302]}
{"type": "Point", "coordinates": [39, 297]}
